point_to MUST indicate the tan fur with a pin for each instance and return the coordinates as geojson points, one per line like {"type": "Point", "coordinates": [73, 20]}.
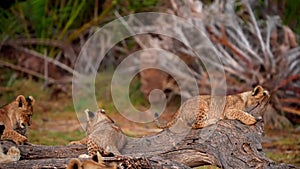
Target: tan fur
{"type": "Point", "coordinates": [75, 163]}
{"type": "Point", "coordinates": [16, 114]}
{"type": "Point", "coordinates": [102, 135]}
{"type": "Point", "coordinates": [195, 111]}
{"type": "Point", "coordinates": [13, 154]}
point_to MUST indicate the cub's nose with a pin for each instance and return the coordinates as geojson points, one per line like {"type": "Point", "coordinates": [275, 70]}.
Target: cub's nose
{"type": "Point", "coordinates": [22, 125]}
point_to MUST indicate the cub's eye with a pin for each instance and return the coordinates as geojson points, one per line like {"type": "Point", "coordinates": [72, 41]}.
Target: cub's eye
{"type": "Point", "coordinates": [28, 115]}
{"type": "Point", "coordinates": [266, 93]}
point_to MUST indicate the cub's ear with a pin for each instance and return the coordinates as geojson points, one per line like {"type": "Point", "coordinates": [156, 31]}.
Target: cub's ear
{"type": "Point", "coordinates": [74, 164]}
{"type": "Point", "coordinates": [30, 101]}
{"type": "Point", "coordinates": [21, 101]}
{"type": "Point", "coordinates": [257, 91]}
{"type": "Point", "coordinates": [2, 127]}
{"type": "Point", "coordinates": [98, 158]}
{"type": "Point", "coordinates": [89, 114]}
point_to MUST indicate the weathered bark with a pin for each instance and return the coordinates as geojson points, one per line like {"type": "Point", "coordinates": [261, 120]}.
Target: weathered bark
{"type": "Point", "coordinates": [33, 152]}
{"type": "Point", "coordinates": [60, 163]}
{"type": "Point", "coordinates": [228, 144]}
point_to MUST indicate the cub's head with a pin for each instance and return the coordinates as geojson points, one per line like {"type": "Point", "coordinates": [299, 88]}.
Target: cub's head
{"type": "Point", "coordinates": [14, 153]}
{"type": "Point", "coordinates": [95, 118]}
{"type": "Point", "coordinates": [256, 96]}
{"type": "Point", "coordinates": [24, 111]}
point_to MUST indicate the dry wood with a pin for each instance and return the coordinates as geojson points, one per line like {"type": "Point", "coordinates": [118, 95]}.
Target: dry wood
{"type": "Point", "coordinates": [65, 80]}
{"type": "Point", "coordinates": [251, 52]}
{"type": "Point", "coordinates": [124, 161]}
{"type": "Point", "coordinates": [230, 144]}
{"type": "Point", "coordinates": [48, 59]}
{"type": "Point", "coordinates": [67, 48]}
{"type": "Point", "coordinates": [25, 70]}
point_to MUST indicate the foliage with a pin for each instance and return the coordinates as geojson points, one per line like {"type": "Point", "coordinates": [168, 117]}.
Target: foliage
{"type": "Point", "coordinates": [143, 5]}
{"type": "Point", "coordinates": [46, 19]}
{"type": "Point", "coordinates": [290, 15]}
{"type": "Point", "coordinates": [286, 9]}
{"type": "Point", "coordinates": [55, 19]}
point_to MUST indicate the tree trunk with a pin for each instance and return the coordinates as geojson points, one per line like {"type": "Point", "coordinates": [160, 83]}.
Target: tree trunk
{"type": "Point", "coordinates": [227, 144]}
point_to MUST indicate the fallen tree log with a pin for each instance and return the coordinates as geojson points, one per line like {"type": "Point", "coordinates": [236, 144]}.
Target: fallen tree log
{"type": "Point", "coordinates": [34, 152]}
{"type": "Point", "coordinates": [227, 144]}
{"type": "Point", "coordinates": [61, 163]}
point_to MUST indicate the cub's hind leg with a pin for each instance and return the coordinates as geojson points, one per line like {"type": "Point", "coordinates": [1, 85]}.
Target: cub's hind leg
{"type": "Point", "coordinates": [82, 141]}
{"type": "Point", "coordinates": [204, 123]}
{"type": "Point", "coordinates": [202, 120]}
{"type": "Point", "coordinates": [93, 148]}
{"type": "Point", "coordinates": [240, 115]}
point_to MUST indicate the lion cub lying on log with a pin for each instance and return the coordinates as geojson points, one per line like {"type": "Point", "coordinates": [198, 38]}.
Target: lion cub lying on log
{"type": "Point", "coordinates": [102, 135]}
{"type": "Point", "coordinates": [195, 110]}
{"type": "Point", "coordinates": [16, 115]}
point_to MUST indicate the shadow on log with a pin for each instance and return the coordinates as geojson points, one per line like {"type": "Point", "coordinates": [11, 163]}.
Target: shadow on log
{"type": "Point", "coordinates": [227, 144]}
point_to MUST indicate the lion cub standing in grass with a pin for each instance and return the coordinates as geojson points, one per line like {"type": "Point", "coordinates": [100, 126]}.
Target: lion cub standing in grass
{"type": "Point", "coordinates": [102, 134]}
{"type": "Point", "coordinates": [195, 110]}
{"type": "Point", "coordinates": [16, 115]}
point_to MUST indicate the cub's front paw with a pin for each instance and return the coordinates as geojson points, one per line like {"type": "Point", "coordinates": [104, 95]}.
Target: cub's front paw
{"type": "Point", "coordinates": [250, 120]}
{"type": "Point", "coordinates": [20, 140]}
{"type": "Point", "coordinates": [84, 156]}
{"type": "Point", "coordinates": [74, 143]}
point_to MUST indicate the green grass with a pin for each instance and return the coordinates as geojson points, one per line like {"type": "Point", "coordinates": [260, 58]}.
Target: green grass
{"type": "Point", "coordinates": [291, 158]}
{"type": "Point", "coordinates": [284, 148]}
{"type": "Point", "coordinates": [102, 87]}
{"type": "Point", "coordinates": [135, 94]}
{"type": "Point", "coordinates": [48, 112]}
{"type": "Point", "coordinates": [26, 87]}
{"type": "Point", "coordinates": [48, 137]}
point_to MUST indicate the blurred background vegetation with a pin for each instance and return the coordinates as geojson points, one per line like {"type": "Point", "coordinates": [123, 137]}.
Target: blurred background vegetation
{"type": "Point", "coordinates": [55, 30]}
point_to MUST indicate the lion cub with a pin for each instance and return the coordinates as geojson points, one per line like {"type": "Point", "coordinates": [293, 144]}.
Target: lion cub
{"type": "Point", "coordinates": [13, 154]}
{"type": "Point", "coordinates": [16, 115]}
{"type": "Point", "coordinates": [195, 111]}
{"type": "Point", "coordinates": [102, 134]}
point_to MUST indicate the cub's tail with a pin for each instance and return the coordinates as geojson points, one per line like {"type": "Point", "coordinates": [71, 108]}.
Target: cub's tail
{"type": "Point", "coordinates": [167, 125]}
